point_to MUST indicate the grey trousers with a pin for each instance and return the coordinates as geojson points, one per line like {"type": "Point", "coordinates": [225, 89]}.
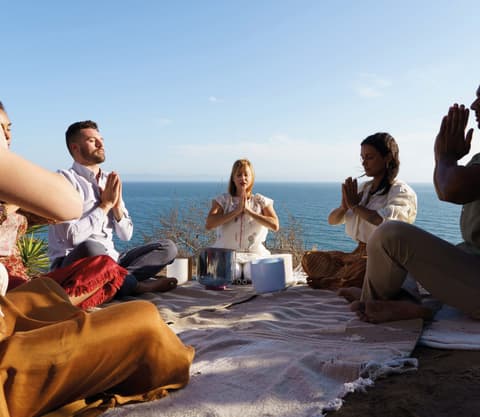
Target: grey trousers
{"type": "Point", "coordinates": [147, 260]}
{"type": "Point", "coordinates": [449, 273]}
{"type": "Point", "coordinates": [141, 262]}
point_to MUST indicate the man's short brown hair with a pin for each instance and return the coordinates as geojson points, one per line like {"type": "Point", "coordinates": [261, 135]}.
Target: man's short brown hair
{"type": "Point", "coordinates": [74, 128]}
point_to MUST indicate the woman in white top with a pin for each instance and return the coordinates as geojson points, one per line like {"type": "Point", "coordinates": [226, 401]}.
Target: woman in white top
{"type": "Point", "coordinates": [382, 198]}
{"type": "Point", "coordinates": [242, 219]}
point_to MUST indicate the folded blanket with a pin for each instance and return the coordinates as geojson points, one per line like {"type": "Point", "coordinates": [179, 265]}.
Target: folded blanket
{"type": "Point", "coordinates": [87, 274]}
{"type": "Point", "coordinates": [451, 329]}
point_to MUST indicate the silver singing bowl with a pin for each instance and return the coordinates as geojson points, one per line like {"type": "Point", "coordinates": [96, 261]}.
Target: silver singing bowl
{"type": "Point", "coordinates": [216, 267]}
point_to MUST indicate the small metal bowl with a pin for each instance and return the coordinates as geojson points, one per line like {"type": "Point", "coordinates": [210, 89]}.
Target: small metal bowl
{"type": "Point", "coordinates": [216, 268]}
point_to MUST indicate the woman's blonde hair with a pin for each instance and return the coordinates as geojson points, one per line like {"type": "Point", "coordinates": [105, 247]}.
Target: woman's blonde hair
{"type": "Point", "coordinates": [237, 166]}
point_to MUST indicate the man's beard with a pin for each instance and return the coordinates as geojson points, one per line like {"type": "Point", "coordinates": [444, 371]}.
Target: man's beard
{"type": "Point", "coordinates": [94, 158]}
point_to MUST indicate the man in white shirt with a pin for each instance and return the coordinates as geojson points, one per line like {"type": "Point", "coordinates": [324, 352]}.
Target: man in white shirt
{"type": "Point", "coordinates": [104, 213]}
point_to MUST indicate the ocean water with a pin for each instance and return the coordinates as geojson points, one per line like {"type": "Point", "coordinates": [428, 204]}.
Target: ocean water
{"type": "Point", "coordinates": [308, 203]}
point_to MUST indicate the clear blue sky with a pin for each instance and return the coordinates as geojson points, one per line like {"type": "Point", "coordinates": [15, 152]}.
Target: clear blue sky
{"type": "Point", "coordinates": [181, 89]}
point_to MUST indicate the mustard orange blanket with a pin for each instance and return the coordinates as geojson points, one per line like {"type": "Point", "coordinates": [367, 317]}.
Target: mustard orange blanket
{"type": "Point", "coordinates": [52, 354]}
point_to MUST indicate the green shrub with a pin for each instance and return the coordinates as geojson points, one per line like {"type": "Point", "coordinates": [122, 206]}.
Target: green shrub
{"type": "Point", "coordinates": [185, 227]}
{"type": "Point", "coordinates": [289, 239]}
{"type": "Point", "coordinates": [33, 251]}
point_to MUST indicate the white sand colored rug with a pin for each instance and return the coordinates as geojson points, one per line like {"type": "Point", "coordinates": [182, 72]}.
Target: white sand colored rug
{"type": "Point", "coordinates": [451, 329]}
{"type": "Point", "coordinates": [292, 353]}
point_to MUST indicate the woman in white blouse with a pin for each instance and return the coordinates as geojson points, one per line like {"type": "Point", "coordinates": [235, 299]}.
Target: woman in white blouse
{"type": "Point", "coordinates": [362, 209]}
{"type": "Point", "coordinates": [242, 219]}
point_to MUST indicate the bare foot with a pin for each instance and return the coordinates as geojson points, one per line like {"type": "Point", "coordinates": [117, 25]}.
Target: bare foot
{"type": "Point", "coordinates": [351, 293]}
{"type": "Point", "coordinates": [157, 285]}
{"type": "Point", "coordinates": [380, 311]}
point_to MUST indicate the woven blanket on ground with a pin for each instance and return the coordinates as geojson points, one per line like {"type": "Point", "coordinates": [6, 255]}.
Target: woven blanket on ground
{"type": "Point", "coordinates": [451, 329]}
{"type": "Point", "coordinates": [292, 353]}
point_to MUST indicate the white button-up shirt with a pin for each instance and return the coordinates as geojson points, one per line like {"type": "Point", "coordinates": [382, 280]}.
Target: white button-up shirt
{"type": "Point", "coordinates": [94, 223]}
{"type": "Point", "coordinates": [400, 203]}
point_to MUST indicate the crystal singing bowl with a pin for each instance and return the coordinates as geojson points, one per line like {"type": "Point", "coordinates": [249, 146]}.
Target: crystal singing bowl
{"type": "Point", "coordinates": [216, 267]}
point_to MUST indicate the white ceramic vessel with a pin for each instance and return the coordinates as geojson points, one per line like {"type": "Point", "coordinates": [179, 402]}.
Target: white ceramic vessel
{"type": "Point", "coordinates": [268, 274]}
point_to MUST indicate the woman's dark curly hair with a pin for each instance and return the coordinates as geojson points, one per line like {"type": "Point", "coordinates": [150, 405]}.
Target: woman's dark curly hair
{"type": "Point", "coordinates": [386, 145]}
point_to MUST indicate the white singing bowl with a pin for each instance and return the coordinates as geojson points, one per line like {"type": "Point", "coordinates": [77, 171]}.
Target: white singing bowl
{"type": "Point", "coordinates": [179, 269]}
{"type": "Point", "coordinates": [268, 274]}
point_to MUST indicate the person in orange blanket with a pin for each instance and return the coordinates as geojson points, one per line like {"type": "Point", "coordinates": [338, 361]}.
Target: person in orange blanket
{"type": "Point", "coordinates": [88, 282]}
{"type": "Point", "coordinates": [58, 359]}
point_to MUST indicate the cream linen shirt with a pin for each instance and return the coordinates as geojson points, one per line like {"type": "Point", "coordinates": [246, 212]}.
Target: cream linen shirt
{"type": "Point", "coordinates": [470, 220]}
{"type": "Point", "coordinates": [400, 203]}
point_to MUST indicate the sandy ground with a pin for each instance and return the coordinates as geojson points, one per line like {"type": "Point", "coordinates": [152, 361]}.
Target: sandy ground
{"type": "Point", "coordinates": [445, 385]}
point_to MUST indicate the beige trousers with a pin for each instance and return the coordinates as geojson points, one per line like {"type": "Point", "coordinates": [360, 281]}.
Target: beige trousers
{"type": "Point", "coordinates": [449, 273]}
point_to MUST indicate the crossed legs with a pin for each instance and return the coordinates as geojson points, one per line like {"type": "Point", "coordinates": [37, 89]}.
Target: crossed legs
{"type": "Point", "coordinates": [142, 262]}
{"type": "Point", "coordinates": [396, 249]}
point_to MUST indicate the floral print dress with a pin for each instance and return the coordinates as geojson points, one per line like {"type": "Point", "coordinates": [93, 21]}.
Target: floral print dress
{"type": "Point", "coordinates": [11, 230]}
